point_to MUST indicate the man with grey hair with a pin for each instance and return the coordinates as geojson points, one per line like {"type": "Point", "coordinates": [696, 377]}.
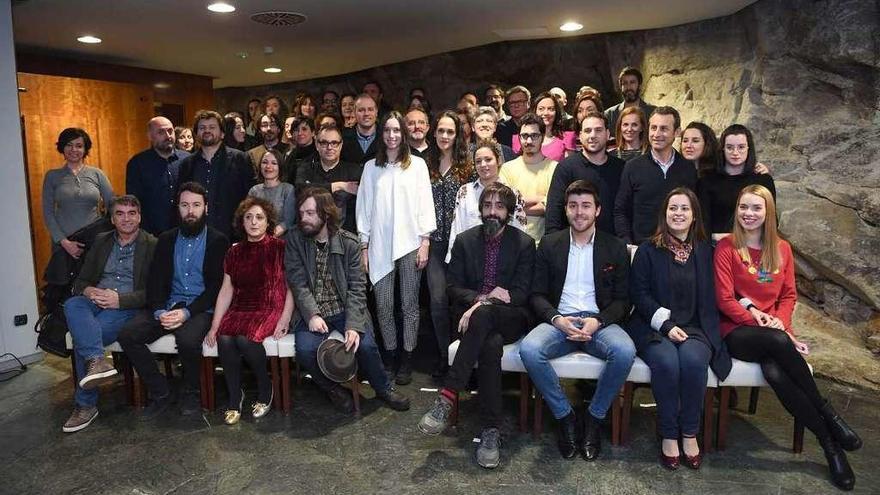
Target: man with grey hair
{"type": "Point", "coordinates": [151, 176]}
{"type": "Point", "coordinates": [518, 100]}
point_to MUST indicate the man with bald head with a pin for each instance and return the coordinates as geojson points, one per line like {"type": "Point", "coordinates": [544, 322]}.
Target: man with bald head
{"type": "Point", "coordinates": [151, 176]}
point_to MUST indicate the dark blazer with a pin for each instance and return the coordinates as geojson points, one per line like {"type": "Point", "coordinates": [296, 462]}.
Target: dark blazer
{"type": "Point", "coordinates": [610, 275]}
{"type": "Point", "coordinates": [346, 269]}
{"type": "Point", "coordinates": [162, 271]}
{"type": "Point", "coordinates": [351, 149]}
{"type": "Point", "coordinates": [516, 261]}
{"type": "Point", "coordinates": [96, 259]}
{"type": "Point", "coordinates": [649, 283]}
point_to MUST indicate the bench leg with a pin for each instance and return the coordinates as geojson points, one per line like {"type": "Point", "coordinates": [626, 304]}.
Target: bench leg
{"type": "Point", "coordinates": [285, 386]}
{"type": "Point", "coordinates": [299, 380]}
{"type": "Point", "coordinates": [523, 402]}
{"type": "Point", "coordinates": [127, 378]}
{"type": "Point", "coordinates": [708, 433]}
{"type": "Point", "coordinates": [615, 418]}
{"type": "Point", "coordinates": [539, 415]}
{"type": "Point", "coordinates": [723, 417]}
{"type": "Point", "coordinates": [203, 385]}
{"type": "Point", "coordinates": [798, 442]}
{"type": "Point", "coordinates": [209, 382]}
{"type": "Point", "coordinates": [753, 400]}
{"type": "Point", "coordinates": [73, 369]}
{"type": "Point", "coordinates": [626, 412]}
{"type": "Point", "coordinates": [276, 381]}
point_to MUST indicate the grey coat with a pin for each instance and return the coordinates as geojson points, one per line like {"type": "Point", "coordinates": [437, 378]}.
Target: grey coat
{"type": "Point", "coordinates": [344, 261]}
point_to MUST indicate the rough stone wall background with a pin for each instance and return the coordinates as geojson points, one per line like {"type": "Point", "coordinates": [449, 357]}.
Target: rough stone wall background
{"type": "Point", "coordinates": [803, 75]}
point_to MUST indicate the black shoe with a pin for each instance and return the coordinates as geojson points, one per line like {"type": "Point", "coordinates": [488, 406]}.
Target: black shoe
{"type": "Point", "coordinates": [439, 373]}
{"type": "Point", "coordinates": [591, 444]}
{"type": "Point", "coordinates": [155, 408]}
{"type": "Point", "coordinates": [341, 398]}
{"type": "Point", "coordinates": [190, 403]}
{"type": "Point", "coordinates": [566, 436]}
{"type": "Point", "coordinates": [841, 473]}
{"type": "Point", "coordinates": [842, 433]}
{"type": "Point", "coordinates": [404, 370]}
{"type": "Point", "coordinates": [395, 400]}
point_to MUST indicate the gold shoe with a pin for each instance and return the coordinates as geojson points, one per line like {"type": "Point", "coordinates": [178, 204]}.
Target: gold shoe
{"type": "Point", "coordinates": [260, 409]}
{"type": "Point", "coordinates": [232, 416]}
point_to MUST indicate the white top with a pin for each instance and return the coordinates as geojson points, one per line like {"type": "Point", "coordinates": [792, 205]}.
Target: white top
{"type": "Point", "coordinates": [395, 208]}
{"type": "Point", "coordinates": [579, 291]}
{"type": "Point", "coordinates": [467, 212]}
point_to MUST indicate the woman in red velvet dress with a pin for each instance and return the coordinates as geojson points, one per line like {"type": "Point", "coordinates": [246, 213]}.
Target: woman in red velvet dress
{"type": "Point", "coordinates": [254, 303]}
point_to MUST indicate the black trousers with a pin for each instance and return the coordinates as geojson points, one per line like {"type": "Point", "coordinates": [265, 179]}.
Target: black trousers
{"type": "Point", "coordinates": [144, 329]}
{"type": "Point", "coordinates": [231, 350]}
{"type": "Point", "coordinates": [784, 369]}
{"type": "Point", "coordinates": [491, 327]}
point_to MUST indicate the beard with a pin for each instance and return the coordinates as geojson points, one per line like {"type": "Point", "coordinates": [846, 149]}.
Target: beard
{"type": "Point", "coordinates": [208, 139]}
{"type": "Point", "coordinates": [164, 146]}
{"type": "Point", "coordinates": [492, 225]}
{"type": "Point", "coordinates": [630, 96]}
{"type": "Point", "coordinates": [191, 227]}
{"type": "Point", "coordinates": [310, 230]}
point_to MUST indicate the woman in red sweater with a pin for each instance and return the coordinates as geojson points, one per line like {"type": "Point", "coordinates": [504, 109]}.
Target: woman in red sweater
{"type": "Point", "coordinates": [755, 289]}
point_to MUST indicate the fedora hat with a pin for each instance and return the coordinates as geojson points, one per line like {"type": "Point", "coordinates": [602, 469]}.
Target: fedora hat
{"type": "Point", "coordinates": [335, 362]}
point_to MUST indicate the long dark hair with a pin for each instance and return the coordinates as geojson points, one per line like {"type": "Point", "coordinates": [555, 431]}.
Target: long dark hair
{"type": "Point", "coordinates": [708, 161]}
{"type": "Point", "coordinates": [461, 160]}
{"type": "Point", "coordinates": [556, 127]}
{"type": "Point", "coordinates": [751, 158]}
{"type": "Point", "coordinates": [382, 151]}
{"type": "Point", "coordinates": [695, 233]}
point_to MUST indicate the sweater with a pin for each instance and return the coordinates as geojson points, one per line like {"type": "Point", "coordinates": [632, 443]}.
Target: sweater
{"type": "Point", "coordinates": [718, 193]}
{"type": "Point", "coordinates": [772, 293]}
{"type": "Point", "coordinates": [605, 177]}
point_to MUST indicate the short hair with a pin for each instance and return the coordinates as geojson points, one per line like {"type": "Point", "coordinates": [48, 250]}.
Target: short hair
{"type": "Point", "coordinates": [178, 131]}
{"type": "Point", "coordinates": [364, 96]}
{"type": "Point", "coordinates": [193, 187]}
{"type": "Point", "coordinates": [518, 89]}
{"type": "Point", "coordinates": [278, 158]}
{"type": "Point", "coordinates": [330, 128]}
{"type": "Point", "coordinates": [324, 115]}
{"type": "Point", "coordinates": [300, 120]}
{"type": "Point", "coordinates": [697, 231]}
{"type": "Point", "coordinates": [125, 199]}
{"type": "Point", "coordinates": [493, 86]}
{"type": "Point", "coordinates": [417, 109]}
{"type": "Point", "coordinates": [417, 88]}
{"type": "Point", "coordinates": [486, 110]}
{"type": "Point", "coordinates": [667, 110]}
{"type": "Point", "coordinates": [593, 115]}
{"type": "Point", "coordinates": [751, 157]}
{"type": "Point", "coordinates": [493, 146]}
{"type": "Point", "coordinates": [328, 92]}
{"type": "Point", "coordinates": [591, 95]}
{"type": "Point", "coordinates": [468, 93]}
{"type": "Point", "coordinates": [373, 81]}
{"type": "Point", "coordinates": [630, 71]}
{"type": "Point", "coordinates": [643, 133]}
{"type": "Point", "coordinates": [382, 151]}
{"type": "Point", "coordinates": [71, 133]}
{"type": "Point", "coordinates": [532, 119]}
{"type": "Point", "coordinates": [325, 205]}
{"type": "Point", "coordinates": [248, 203]}
{"type": "Point", "coordinates": [206, 115]}
{"type": "Point", "coordinates": [504, 193]}
{"type": "Point", "coordinates": [582, 186]}
{"type": "Point", "coordinates": [282, 107]}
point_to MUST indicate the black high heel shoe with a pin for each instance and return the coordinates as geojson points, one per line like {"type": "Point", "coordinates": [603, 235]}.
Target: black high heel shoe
{"type": "Point", "coordinates": [842, 433]}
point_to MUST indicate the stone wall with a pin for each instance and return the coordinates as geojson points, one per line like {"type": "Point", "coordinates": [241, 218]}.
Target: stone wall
{"type": "Point", "coordinates": [804, 75]}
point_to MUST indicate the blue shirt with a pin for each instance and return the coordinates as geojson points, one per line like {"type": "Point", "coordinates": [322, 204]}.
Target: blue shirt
{"type": "Point", "coordinates": [152, 179]}
{"type": "Point", "coordinates": [119, 270]}
{"type": "Point", "coordinates": [188, 281]}
{"type": "Point", "coordinates": [365, 141]}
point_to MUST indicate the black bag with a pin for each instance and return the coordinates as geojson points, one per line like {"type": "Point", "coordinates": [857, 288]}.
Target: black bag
{"type": "Point", "coordinates": [51, 327]}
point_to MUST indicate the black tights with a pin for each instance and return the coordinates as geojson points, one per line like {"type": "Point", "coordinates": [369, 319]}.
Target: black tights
{"type": "Point", "coordinates": [784, 369]}
{"type": "Point", "coordinates": [231, 349]}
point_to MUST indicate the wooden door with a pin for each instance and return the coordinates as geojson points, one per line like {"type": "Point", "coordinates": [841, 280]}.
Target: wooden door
{"type": "Point", "coordinates": [115, 116]}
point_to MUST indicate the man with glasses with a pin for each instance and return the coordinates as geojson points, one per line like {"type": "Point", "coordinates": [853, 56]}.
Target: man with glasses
{"type": "Point", "coordinates": [339, 177]}
{"type": "Point", "coordinates": [270, 128]}
{"type": "Point", "coordinates": [418, 126]}
{"type": "Point", "coordinates": [518, 100]}
{"type": "Point", "coordinates": [494, 97]}
{"type": "Point", "coordinates": [531, 173]}
{"type": "Point", "coordinates": [330, 101]}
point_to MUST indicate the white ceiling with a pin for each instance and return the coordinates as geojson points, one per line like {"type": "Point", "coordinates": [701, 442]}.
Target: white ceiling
{"type": "Point", "coordinates": [340, 36]}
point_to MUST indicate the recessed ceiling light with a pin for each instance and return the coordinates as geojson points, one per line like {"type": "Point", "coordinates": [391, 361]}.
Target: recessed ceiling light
{"type": "Point", "coordinates": [88, 39]}
{"type": "Point", "coordinates": [161, 85]}
{"type": "Point", "coordinates": [571, 26]}
{"type": "Point", "coordinates": [221, 8]}
{"type": "Point", "coordinates": [272, 70]}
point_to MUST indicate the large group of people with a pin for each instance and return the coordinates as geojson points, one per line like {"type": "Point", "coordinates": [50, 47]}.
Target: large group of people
{"type": "Point", "coordinates": [523, 217]}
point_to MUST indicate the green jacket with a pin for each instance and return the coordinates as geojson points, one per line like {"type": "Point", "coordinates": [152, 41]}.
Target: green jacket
{"type": "Point", "coordinates": [96, 259]}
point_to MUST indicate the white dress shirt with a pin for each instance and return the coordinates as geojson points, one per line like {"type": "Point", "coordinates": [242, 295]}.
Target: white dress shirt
{"type": "Point", "coordinates": [579, 291]}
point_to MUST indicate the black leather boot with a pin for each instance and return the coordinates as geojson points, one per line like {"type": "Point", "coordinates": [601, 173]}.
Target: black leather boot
{"type": "Point", "coordinates": [591, 445]}
{"type": "Point", "coordinates": [566, 436]}
{"type": "Point", "coordinates": [842, 433]}
{"type": "Point", "coordinates": [841, 473]}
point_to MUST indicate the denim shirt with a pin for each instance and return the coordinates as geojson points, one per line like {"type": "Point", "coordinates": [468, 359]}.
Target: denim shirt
{"type": "Point", "coordinates": [119, 269]}
{"type": "Point", "coordinates": [365, 141]}
{"type": "Point", "coordinates": [188, 281]}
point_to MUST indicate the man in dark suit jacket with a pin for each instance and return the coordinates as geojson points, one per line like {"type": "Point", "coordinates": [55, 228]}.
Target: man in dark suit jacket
{"type": "Point", "coordinates": [182, 287]}
{"type": "Point", "coordinates": [489, 276]}
{"type": "Point", "coordinates": [580, 294]}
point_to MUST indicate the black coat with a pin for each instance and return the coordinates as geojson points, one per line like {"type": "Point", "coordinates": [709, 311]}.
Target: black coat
{"type": "Point", "coordinates": [351, 149]}
{"type": "Point", "coordinates": [649, 288]}
{"type": "Point", "coordinates": [610, 276]}
{"type": "Point", "coordinates": [162, 271]}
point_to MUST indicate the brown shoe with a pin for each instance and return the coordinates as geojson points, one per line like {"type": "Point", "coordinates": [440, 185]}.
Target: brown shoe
{"type": "Point", "coordinates": [98, 371]}
{"type": "Point", "coordinates": [81, 417]}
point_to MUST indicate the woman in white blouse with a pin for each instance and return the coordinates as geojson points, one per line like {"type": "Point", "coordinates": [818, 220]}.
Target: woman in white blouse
{"type": "Point", "coordinates": [466, 214]}
{"type": "Point", "coordinates": [395, 217]}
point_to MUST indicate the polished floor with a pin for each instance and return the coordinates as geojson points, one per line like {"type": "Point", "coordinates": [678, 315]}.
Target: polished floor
{"type": "Point", "coordinates": [316, 450]}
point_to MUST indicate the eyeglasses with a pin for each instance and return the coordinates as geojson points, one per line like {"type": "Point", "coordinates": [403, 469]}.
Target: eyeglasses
{"type": "Point", "coordinates": [329, 144]}
{"type": "Point", "coordinates": [530, 137]}
{"type": "Point", "coordinates": [742, 148]}
{"type": "Point", "coordinates": [517, 103]}
{"type": "Point", "coordinates": [266, 125]}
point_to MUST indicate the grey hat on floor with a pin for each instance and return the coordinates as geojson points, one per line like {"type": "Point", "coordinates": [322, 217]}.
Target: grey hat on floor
{"type": "Point", "coordinates": [335, 362]}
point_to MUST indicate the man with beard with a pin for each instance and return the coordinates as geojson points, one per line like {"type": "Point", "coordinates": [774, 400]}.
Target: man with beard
{"type": "Point", "coordinates": [271, 126]}
{"type": "Point", "coordinates": [580, 293]}
{"type": "Point", "coordinates": [592, 164]}
{"type": "Point", "coordinates": [630, 81]}
{"type": "Point", "coordinates": [226, 174]}
{"type": "Point", "coordinates": [324, 271]}
{"type": "Point", "coordinates": [418, 126]}
{"type": "Point", "coordinates": [494, 97]}
{"type": "Point", "coordinates": [489, 278]}
{"type": "Point", "coordinates": [151, 176]}
{"type": "Point", "coordinates": [182, 286]}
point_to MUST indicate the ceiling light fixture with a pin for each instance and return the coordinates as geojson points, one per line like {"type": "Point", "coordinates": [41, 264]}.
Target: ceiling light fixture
{"type": "Point", "coordinates": [571, 26]}
{"type": "Point", "coordinates": [221, 8]}
{"type": "Point", "coordinates": [272, 70]}
{"type": "Point", "coordinates": [89, 39]}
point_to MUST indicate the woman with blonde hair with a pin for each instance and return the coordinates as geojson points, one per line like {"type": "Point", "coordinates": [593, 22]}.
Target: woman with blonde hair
{"type": "Point", "coordinates": [756, 294]}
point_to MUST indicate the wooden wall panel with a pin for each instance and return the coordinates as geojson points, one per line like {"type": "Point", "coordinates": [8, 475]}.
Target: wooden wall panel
{"type": "Point", "coordinates": [115, 116]}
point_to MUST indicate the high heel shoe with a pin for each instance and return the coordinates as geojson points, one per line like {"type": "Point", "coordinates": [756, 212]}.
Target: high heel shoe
{"type": "Point", "coordinates": [669, 462]}
{"type": "Point", "coordinates": [842, 433]}
{"type": "Point", "coordinates": [693, 462]}
{"type": "Point", "coordinates": [841, 473]}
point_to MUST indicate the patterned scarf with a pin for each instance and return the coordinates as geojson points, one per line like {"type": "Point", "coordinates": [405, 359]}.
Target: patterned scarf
{"type": "Point", "coordinates": [680, 250]}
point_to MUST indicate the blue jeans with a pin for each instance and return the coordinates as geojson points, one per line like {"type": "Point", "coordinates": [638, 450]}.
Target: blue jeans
{"type": "Point", "coordinates": [678, 380]}
{"type": "Point", "coordinates": [546, 342]}
{"type": "Point", "coordinates": [91, 328]}
{"type": "Point", "coordinates": [369, 361]}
